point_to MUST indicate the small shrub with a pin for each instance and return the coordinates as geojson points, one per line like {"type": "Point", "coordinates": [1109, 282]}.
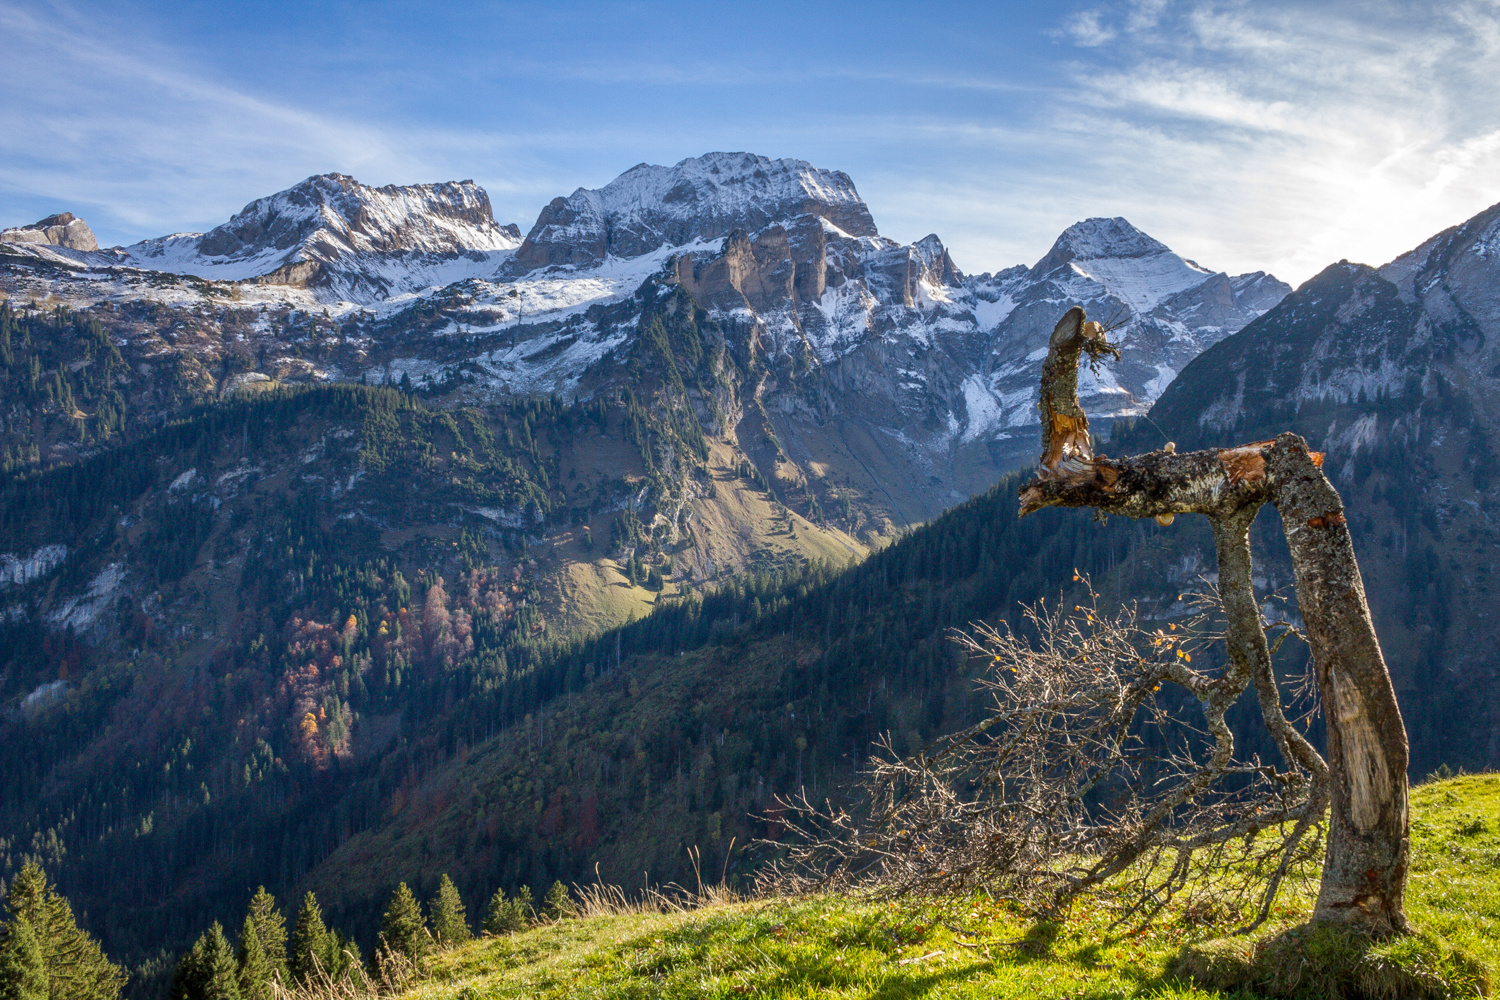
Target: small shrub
{"type": "Point", "coordinates": [505, 916]}
{"type": "Point", "coordinates": [558, 905]}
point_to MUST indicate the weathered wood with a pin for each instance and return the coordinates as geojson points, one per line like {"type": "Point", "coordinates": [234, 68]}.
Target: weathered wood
{"type": "Point", "coordinates": [1364, 779]}
{"type": "Point", "coordinates": [1066, 445]}
{"type": "Point", "coordinates": [1364, 871]}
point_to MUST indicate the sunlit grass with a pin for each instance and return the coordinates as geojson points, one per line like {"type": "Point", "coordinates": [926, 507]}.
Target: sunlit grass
{"type": "Point", "coordinates": [836, 947]}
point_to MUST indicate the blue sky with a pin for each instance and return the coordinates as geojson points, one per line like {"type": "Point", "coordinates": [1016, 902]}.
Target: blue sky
{"type": "Point", "coordinates": [1247, 136]}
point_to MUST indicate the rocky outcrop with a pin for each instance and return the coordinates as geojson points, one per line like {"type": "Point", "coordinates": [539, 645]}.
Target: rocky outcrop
{"type": "Point", "coordinates": [62, 230]}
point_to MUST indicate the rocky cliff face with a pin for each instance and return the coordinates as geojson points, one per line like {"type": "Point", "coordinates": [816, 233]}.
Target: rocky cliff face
{"type": "Point", "coordinates": [62, 230]}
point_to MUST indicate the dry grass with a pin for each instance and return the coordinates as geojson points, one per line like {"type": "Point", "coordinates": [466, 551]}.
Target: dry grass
{"type": "Point", "coordinates": [600, 900]}
{"type": "Point", "coordinates": [397, 974]}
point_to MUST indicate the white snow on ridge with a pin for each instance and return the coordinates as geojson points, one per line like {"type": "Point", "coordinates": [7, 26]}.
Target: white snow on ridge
{"type": "Point", "coordinates": [722, 183]}
{"type": "Point", "coordinates": [1143, 282]}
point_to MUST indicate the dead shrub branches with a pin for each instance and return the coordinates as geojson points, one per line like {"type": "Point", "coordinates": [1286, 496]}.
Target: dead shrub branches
{"type": "Point", "coordinates": [1106, 759]}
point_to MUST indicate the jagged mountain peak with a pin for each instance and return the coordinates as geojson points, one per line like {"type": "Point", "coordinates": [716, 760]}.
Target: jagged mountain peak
{"type": "Point", "coordinates": [697, 199]}
{"type": "Point", "coordinates": [61, 230]}
{"type": "Point", "coordinates": [448, 217]}
{"type": "Point", "coordinates": [1100, 239]}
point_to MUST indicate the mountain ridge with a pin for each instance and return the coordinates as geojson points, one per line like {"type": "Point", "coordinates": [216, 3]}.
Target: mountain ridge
{"type": "Point", "coordinates": [930, 371]}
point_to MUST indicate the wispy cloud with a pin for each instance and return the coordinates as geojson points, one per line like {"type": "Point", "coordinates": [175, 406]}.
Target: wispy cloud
{"type": "Point", "coordinates": [1247, 135]}
{"type": "Point", "coordinates": [111, 123]}
{"type": "Point", "coordinates": [1306, 135]}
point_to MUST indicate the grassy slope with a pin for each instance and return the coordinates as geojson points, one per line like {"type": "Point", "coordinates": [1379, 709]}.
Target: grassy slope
{"type": "Point", "coordinates": [836, 947]}
{"type": "Point", "coordinates": [739, 527]}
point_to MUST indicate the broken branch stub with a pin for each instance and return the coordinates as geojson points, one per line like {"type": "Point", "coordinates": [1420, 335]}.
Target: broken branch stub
{"type": "Point", "coordinates": [1364, 779]}
{"type": "Point", "coordinates": [1066, 447]}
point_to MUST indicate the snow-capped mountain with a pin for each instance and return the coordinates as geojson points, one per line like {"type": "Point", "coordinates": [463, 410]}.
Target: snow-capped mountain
{"type": "Point", "coordinates": [865, 353]}
{"type": "Point", "coordinates": [1163, 310]}
{"type": "Point", "coordinates": [343, 239]}
{"type": "Point", "coordinates": [701, 198]}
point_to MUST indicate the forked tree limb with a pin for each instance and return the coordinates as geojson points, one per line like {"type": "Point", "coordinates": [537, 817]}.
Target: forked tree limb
{"type": "Point", "coordinates": [1364, 779]}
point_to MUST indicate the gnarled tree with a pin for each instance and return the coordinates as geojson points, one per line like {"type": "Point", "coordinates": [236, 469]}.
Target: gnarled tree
{"type": "Point", "coordinates": [1063, 788]}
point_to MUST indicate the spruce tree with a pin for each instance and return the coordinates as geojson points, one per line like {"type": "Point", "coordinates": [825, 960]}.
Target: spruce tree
{"type": "Point", "coordinates": [525, 910]}
{"type": "Point", "coordinates": [23, 968]}
{"type": "Point", "coordinates": [75, 964]}
{"type": "Point", "coordinates": [340, 955]}
{"type": "Point", "coordinates": [402, 929]}
{"type": "Point", "coordinates": [309, 944]}
{"type": "Point", "coordinates": [187, 979]}
{"type": "Point", "coordinates": [500, 915]}
{"type": "Point", "coordinates": [208, 970]}
{"type": "Point", "coordinates": [262, 954]}
{"type": "Point", "coordinates": [254, 977]}
{"type": "Point", "coordinates": [221, 979]}
{"type": "Point", "coordinates": [450, 924]}
{"type": "Point", "coordinates": [558, 903]}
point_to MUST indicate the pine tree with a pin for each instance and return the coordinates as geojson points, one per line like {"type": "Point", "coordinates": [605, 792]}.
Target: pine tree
{"type": "Point", "coordinates": [23, 967]}
{"type": "Point", "coordinates": [262, 956]}
{"type": "Point", "coordinates": [309, 944]}
{"type": "Point", "coordinates": [402, 929]}
{"type": "Point", "coordinates": [558, 904]}
{"type": "Point", "coordinates": [207, 971]}
{"type": "Point", "coordinates": [340, 955]}
{"type": "Point", "coordinates": [450, 924]}
{"type": "Point", "coordinates": [75, 964]}
{"type": "Point", "coordinates": [503, 916]}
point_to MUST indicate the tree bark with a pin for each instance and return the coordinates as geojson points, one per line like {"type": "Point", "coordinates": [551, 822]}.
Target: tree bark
{"type": "Point", "coordinates": [1364, 871]}
{"type": "Point", "coordinates": [1364, 779]}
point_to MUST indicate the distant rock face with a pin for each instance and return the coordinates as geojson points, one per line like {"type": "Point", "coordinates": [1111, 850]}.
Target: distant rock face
{"type": "Point", "coordinates": [335, 214]}
{"type": "Point", "coordinates": [702, 198]}
{"type": "Point", "coordinates": [62, 230]}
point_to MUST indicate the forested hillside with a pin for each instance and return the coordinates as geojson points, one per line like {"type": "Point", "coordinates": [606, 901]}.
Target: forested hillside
{"type": "Point", "coordinates": [337, 637]}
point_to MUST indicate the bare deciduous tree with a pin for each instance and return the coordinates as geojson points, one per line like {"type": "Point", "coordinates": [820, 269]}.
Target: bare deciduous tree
{"type": "Point", "coordinates": [1086, 771]}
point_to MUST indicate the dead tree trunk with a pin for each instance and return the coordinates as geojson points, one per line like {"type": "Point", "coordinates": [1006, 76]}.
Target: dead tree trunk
{"type": "Point", "coordinates": [1364, 779]}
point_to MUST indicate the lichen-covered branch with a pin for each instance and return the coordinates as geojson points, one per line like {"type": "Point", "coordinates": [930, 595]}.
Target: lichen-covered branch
{"type": "Point", "coordinates": [1364, 779]}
